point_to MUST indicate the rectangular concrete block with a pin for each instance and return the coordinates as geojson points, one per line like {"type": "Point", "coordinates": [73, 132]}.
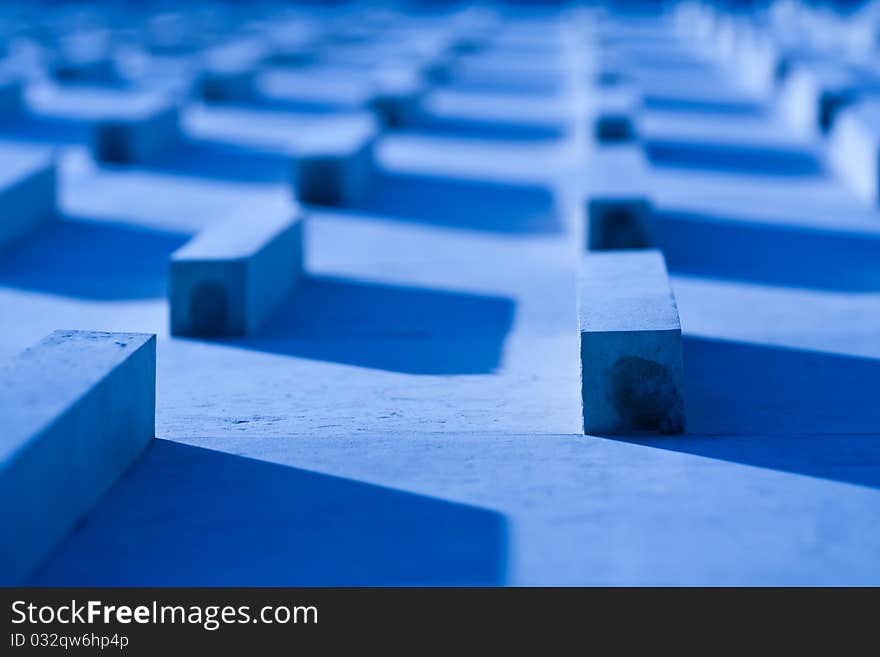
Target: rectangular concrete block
{"type": "Point", "coordinates": [335, 169]}
{"type": "Point", "coordinates": [231, 277]}
{"type": "Point", "coordinates": [616, 114]}
{"type": "Point", "coordinates": [137, 138]}
{"type": "Point", "coordinates": [27, 189]}
{"type": "Point", "coordinates": [77, 409]}
{"type": "Point", "coordinates": [618, 203]}
{"type": "Point", "coordinates": [854, 150]}
{"type": "Point", "coordinates": [631, 364]}
{"type": "Point", "coordinates": [127, 126]}
{"type": "Point", "coordinates": [814, 93]}
{"type": "Point", "coordinates": [398, 97]}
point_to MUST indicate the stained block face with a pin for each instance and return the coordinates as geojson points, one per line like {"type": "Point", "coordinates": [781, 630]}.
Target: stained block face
{"type": "Point", "coordinates": [230, 278]}
{"type": "Point", "coordinates": [814, 93]}
{"type": "Point", "coordinates": [335, 170]}
{"type": "Point", "coordinates": [631, 377]}
{"type": "Point", "coordinates": [27, 190]}
{"type": "Point", "coordinates": [127, 126]}
{"type": "Point", "coordinates": [219, 84]}
{"type": "Point", "coordinates": [618, 203]}
{"type": "Point", "coordinates": [230, 71]}
{"type": "Point", "coordinates": [78, 408]}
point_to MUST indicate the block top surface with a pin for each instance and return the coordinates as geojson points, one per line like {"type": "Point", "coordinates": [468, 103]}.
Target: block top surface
{"type": "Point", "coordinates": [96, 103]}
{"type": "Point", "coordinates": [338, 136]}
{"type": "Point", "coordinates": [237, 238]}
{"type": "Point", "coordinates": [626, 291]}
{"type": "Point", "coordinates": [18, 161]}
{"type": "Point", "coordinates": [43, 381]}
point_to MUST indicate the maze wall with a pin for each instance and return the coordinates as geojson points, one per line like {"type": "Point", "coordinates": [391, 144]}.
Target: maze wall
{"type": "Point", "coordinates": [472, 294]}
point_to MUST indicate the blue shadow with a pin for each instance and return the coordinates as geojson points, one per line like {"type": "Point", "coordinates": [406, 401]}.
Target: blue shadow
{"type": "Point", "coordinates": [845, 458]}
{"type": "Point", "coordinates": [753, 252]}
{"type": "Point", "coordinates": [225, 162]}
{"type": "Point", "coordinates": [56, 131]}
{"type": "Point", "coordinates": [747, 389]}
{"type": "Point", "coordinates": [789, 410]}
{"type": "Point", "coordinates": [460, 203]}
{"type": "Point", "coordinates": [388, 327]}
{"type": "Point", "coordinates": [188, 516]}
{"type": "Point", "coordinates": [775, 161]}
{"type": "Point", "coordinates": [97, 260]}
{"type": "Point", "coordinates": [702, 105]}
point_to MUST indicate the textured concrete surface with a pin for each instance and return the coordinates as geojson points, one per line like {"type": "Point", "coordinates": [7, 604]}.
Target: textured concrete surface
{"type": "Point", "coordinates": [78, 408]}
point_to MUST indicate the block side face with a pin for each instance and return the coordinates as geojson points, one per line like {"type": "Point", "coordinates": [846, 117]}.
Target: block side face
{"type": "Point", "coordinates": [854, 150]}
{"type": "Point", "coordinates": [334, 172]}
{"type": "Point", "coordinates": [320, 180]}
{"type": "Point", "coordinates": [614, 128]}
{"type": "Point", "coordinates": [208, 297]}
{"type": "Point", "coordinates": [28, 203]}
{"type": "Point", "coordinates": [138, 140]}
{"type": "Point", "coordinates": [618, 224]}
{"type": "Point", "coordinates": [632, 382]}
{"type": "Point", "coordinates": [273, 273]}
{"type": "Point", "coordinates": [63, 470]}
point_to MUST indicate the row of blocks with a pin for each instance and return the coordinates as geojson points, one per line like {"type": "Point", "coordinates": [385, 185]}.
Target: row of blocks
{"type": "Point", "coordinates": [821, 89]}
{"type": "Point", "coordinates": [81, 405]}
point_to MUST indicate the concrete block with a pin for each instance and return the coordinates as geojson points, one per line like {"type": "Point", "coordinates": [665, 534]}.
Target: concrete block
{"type": "Point", "coordinates": [814, 93]}
{"type": "Point", "coordinates": [631, 364]}
{"type": "Point", "coordinates": [618, 203]}
{"type": "Point", "coordinates": [335, 169]}
{"type": "Point", "coordinates": [77, 409]}
{"type": "Point", "coordinates": [27, 189]}
{"type": "Point", "coordinates": [84, 57]}
{"type": "Point", "coordinates": [615, 115]}
{"type": "Point", "coordinates": [229, 71]}
{"type": "Point", "coordinates": [137, 137]}
{"type": "Point", "coordinates": [127, 126]}
{"type": "Point", "coordinates": [398, 97]}
{"type": "Point", "coordinates": [854, 149]}
{"type": "Point", "coordinates": [231, 277]}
